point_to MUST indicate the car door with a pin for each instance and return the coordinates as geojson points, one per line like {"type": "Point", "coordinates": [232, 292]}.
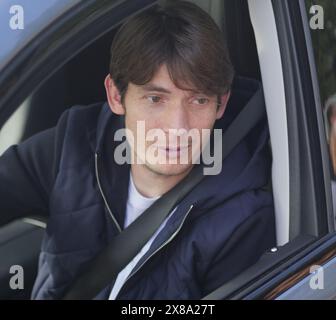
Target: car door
{"type": "Point", "coordinates": [315, 278]}
{"type": "Point", "coordinates": [301, 181]}
{"type": "Point", "coordinates": [304, 266]}
{"type": "Point", "coordinates": [20, 23]}
{"type": "Point", "coordinates": [34, 50]}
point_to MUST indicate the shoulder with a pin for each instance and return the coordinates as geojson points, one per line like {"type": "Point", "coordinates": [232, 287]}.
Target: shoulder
{"type": "Point", "coordinates": [75, 133]}
{"type": "Point", "coordinates": [80, 118]}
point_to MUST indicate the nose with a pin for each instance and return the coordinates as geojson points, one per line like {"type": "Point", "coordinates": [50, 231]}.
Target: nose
{"type": "Point", "coordinates": [176, 117]}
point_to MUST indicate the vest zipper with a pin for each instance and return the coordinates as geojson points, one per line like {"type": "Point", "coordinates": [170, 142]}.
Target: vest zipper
{"type": "Point", "coordinates": [158, 249]}
{"type": "Point", "coordinates": [102, 193]}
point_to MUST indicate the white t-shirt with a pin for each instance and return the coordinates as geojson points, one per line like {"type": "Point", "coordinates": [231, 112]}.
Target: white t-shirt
{"type": "Point", "coordinates": [136, 205]}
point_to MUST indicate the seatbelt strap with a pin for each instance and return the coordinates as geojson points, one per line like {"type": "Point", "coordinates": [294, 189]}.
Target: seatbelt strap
{"type": "Point", "coordinates": [105, 267]}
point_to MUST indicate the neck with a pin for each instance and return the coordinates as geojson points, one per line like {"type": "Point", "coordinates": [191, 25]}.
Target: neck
{"type": "Point", "coordinates": [151, 184]}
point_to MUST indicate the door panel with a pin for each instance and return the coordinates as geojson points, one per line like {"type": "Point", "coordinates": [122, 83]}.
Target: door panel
{"type": "Point", "coordinates": [20, 244]}
{"type": "Point", "coordinates": [316, 281]}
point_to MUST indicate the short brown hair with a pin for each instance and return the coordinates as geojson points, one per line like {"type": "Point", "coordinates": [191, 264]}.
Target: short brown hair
{"type": "Point", "coordinates": [180, 35]}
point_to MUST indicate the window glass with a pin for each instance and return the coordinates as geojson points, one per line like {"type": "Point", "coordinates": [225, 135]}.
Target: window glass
{"type": "Point", "coordinates": [322, 22]}
{"type": "Point", "coordinates": [12, 131]}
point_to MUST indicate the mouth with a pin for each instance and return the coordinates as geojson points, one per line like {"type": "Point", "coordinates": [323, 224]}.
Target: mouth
{"type": "Point", "coordinates": [174, 151]}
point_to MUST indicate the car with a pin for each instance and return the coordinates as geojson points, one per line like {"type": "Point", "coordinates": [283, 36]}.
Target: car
{"type": "Point", "coordinates": [279, 43]}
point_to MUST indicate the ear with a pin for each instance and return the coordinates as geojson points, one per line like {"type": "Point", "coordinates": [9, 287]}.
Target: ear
{"type": "Point", "coordinates": [113, 96]}
{"type": "Point", "coordinates": [223, 103]}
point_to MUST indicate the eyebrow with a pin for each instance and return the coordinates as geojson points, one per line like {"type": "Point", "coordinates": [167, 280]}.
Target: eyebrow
{"type": "Point", "coordinates": [153, 87]}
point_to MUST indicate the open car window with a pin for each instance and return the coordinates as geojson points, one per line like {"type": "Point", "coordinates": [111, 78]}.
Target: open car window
{"type": "Point", "coordinates": [267, 42]}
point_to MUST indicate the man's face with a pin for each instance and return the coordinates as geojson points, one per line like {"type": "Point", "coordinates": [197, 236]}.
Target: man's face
{"type": "Point", "coordinates": [164, 109]}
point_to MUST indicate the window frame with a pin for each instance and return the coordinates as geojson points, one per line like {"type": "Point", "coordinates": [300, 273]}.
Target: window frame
{"type": "Point", "coordinates": [51, 49]}
{"type": "Point", "coordinates": [70, 33]}
{"type": "Point", "coordinates": [310, 182]}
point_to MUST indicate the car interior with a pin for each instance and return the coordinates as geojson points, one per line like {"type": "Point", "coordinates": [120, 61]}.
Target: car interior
{"type": "Point", "coordinates": [80, 81]}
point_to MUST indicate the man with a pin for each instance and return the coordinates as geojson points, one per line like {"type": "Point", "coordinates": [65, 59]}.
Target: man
{"type": "Point", "coordinates": [169, 71]}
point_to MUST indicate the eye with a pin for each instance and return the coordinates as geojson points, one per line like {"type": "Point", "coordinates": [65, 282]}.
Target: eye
{"type": "Point", "coordinates": [201, 101]}
{"type": "Point", "coordinates": [154, 99]}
